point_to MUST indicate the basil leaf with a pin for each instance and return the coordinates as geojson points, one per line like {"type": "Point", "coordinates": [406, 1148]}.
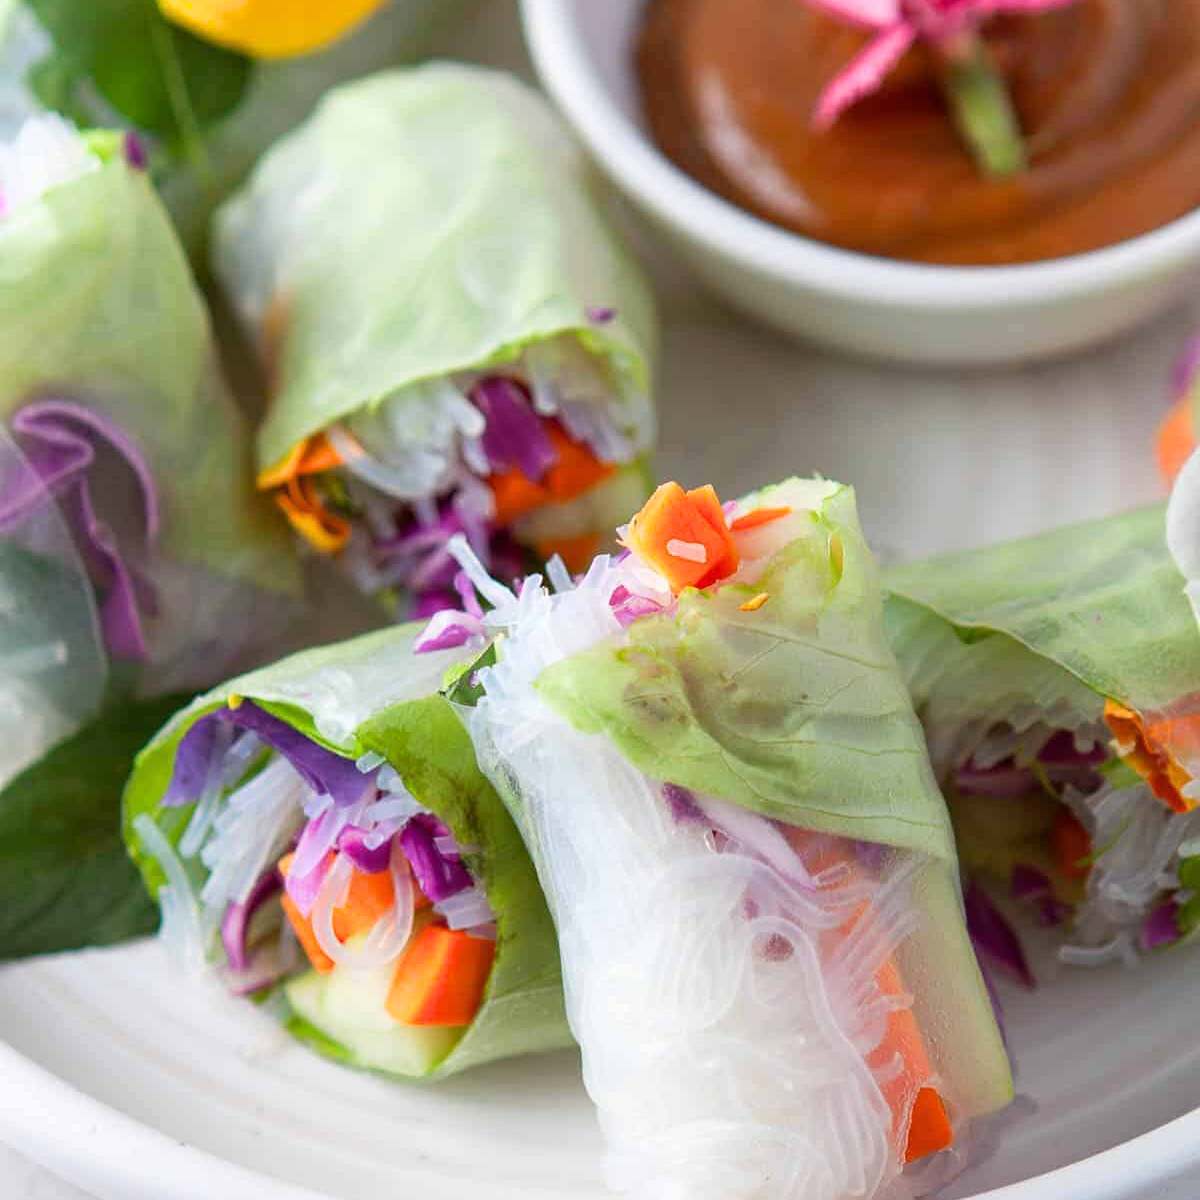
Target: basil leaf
{"type": "Point", "coordinates": [157, 76]}
{"type": "Point", "coordinates": [65, 879]}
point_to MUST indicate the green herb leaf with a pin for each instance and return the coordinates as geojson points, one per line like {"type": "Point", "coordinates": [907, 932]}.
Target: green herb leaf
{"type": "Point", "coordinates": [65, 879]}
{"type": "Point", "coordinates": [1189, 873]}
{"type": "Point", "coordinates": [156, 75]}
{"type": "Point", "coordinates": [462, 685]}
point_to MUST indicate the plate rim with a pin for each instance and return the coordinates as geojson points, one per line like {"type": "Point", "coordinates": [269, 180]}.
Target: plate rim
{"type": "Point", "coordinates": [82, 1139]}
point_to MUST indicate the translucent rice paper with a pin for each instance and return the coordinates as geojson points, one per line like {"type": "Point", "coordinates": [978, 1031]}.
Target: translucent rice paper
{"type": "Point", "coordinates": [422, 223]}
{"type": "Point", "coordinates": [53, 668]}
{"type": "Point", "coordinates": [98, 306]}
{"type": "Point", "coordinates": [1097, 607]}
{"type": "Point", "coordinates": [736, 1020]}
{"type": "Point", "coordinates": [374, 696]}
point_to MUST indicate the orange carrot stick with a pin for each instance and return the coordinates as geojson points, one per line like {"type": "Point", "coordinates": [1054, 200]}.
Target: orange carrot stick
{"type": "Point", "coordinates": [928, 1123]}
{"type": "Point", "coordinates": [324, 531]}
{"type": "Point", "coordinates": [1176, 439]}
{"type": "Point", "coordinates": [441, 978]}
{"type": "Point", "coordinates": [309, 457]}
{"type": "Point", "coordinates": [368, 898]}
{"type": "Point", "coordinates": [759, 516]}
{"type": "Point", "coordinates": [576, 470]}
{"type": "Point", "coordinates": [1070, 845]}
{"type": "Point", "coordinates": [1145, 746]}
{"type": "Point", "coordinates": [683, 536]}
{"type": "Point", "coordinates": [576, 552]}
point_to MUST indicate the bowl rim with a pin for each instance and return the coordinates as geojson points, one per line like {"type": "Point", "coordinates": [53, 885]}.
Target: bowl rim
{"type": "Point", "coordinates": [627, 154]}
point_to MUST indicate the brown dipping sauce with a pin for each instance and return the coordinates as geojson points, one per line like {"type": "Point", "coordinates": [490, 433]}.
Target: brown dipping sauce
{"type": "Point", "coordinates": [1108, 93]}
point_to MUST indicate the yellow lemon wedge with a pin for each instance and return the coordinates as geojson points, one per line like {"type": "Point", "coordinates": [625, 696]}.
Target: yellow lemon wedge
{"type": "Point", "coordinates": [270, 28]}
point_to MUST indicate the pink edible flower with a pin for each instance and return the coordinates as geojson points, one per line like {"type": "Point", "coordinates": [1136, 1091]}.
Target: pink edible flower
{"type": "Point", "coordinates": [898, 24]}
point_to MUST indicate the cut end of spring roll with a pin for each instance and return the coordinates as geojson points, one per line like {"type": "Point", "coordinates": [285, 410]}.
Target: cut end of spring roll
{"type": "Point", "coordinates": [343, 856]}
{"type": "Point", "coordinates": [709, 750]}
{"type": "Point", "coordinates": [1056, 678]}
{"type": "Point", "coordinates": [454, 341]}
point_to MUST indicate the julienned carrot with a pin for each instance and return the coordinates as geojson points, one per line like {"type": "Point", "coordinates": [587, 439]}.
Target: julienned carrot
{"type": "Point", "coordinates": [303, 929]}
{"type": "Point", "coordinates": [1145, 746]}
{"type": "Point", "coordinates": [1176, 439]}
{"type": "Point", "coordinates": [576, 552]}
{"type": "Point", "coordinates": [441, 978]}
{"type": "Point", "coordinates": [325, 531]}
{"type": "Point", "coordinates": [1070, 845]}
{"type": "Point", "coordinates": [684, 537]}
{"type": "Point", "coordinates": [368, 898]}
{"type": "Point", "coordinates": [309, 457]}
{"type": "Point", "coordinates": [759, 516]}
{"type": "Point", "coordinates": [576, 470]}
{"type": "Point", "coordinates": [928, 1123]}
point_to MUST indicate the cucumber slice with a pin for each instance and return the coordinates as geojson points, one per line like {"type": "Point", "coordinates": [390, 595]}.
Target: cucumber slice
{"type": "Point", "coordinates": [349, 1008]}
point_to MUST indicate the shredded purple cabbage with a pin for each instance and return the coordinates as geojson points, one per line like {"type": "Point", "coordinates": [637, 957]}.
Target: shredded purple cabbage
{"type": "Point", "coordinates": [1186, 369]}
{"type": "Point", "coordinates": [440, 875]}
{"type": "Point", "coordinates": [514, 437]}
{"type": "Point", "coordinates": [599, 314]}
{"type": "Point", "coordinates": [135, 151]}
{"type": "Point", "coordinates": [628, 608]}
{"type": "Point", "coordinates": [430, 603]}
{"type": "Point", "coordinates": [1161, 927]}
{"type": "Point", "coordinates": [368, 860]}
{"type": "Point", "coordinates": [59, 439]}
{"type": "Point", "coordinates": [682, 803]}
{"type": "Point", "coordinates": [327, 773]}
{"type": "Point", "coordinates": [1029, 883]}
{"type": "Point", "coordinates": [871, 855]}
{"type": "Point", "coordinates": [453, 634]}
{"type": "Point", "coordinates": [1060, 762]}
{"type": "Point", "coordinates": [993, 937]}
{"type": "Point", "coordinates": [238, 917]}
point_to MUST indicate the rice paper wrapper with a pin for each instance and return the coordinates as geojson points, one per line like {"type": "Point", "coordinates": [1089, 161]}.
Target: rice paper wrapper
{"type": "Point", "coordinates": [372, 694]}
{"type": "Point", "coordinates": [53, 667]}
{"type": "Point", "coordinates": [741, 840]}
{"type": "Point", "coordinates": [1048, 627]}
{"type": "Point", "coordinates": [425, 222]}
{"type": "Point", "coordinates": [99, 311]}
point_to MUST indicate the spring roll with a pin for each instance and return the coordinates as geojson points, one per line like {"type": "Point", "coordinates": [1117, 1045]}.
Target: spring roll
{"type": "Point", "coordinates": [710, 753]}
{"type": "Point", "coordinates": [453, 340]}
{"type": "Point", "coordinates": [53, 665]}
{"type": "Point", "coordinates": [1057, 679]}
{"type": "Point", "coordinates": [318, 833]}
{"type": "Point", "coordinates": [113, 400]}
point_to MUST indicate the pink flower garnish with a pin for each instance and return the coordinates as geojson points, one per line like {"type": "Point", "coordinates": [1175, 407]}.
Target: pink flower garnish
{"type": "Point", "coordinates": [898, 24]}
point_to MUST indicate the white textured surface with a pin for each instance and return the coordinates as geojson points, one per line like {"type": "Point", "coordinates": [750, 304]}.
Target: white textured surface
{"type": "Point", "coordinates": [940, 461]}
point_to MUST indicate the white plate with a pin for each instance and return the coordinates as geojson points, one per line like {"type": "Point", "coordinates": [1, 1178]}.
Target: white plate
{"type": "Point", "coordinates": [137, 1086]}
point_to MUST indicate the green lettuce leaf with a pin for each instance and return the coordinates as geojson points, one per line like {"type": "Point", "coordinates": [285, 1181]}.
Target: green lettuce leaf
{"type": "Point", "coordinates": [1102, 600]}
{"type": "Point", "coordinates": [374, 694]}
{"type": "Point", "coordinates": [796, 711]}
{"type": "Point", "coordinates": [423, 222]}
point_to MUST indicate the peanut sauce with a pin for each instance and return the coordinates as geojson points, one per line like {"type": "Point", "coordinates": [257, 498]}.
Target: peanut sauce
{"type": "Point", "coordinates": [1107, 91]}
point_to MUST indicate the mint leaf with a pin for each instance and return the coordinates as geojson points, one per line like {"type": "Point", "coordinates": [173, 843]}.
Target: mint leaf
{"type": "Point", "coordinates": [65, 879]}
{"type": "Point", "coordinates": [159, 77]}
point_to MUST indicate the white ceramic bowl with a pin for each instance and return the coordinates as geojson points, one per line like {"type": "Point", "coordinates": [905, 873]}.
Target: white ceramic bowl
{"type": "Point", "coordinates": [873, 306]}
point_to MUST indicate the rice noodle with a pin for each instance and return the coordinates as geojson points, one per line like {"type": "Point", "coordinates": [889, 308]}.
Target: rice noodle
{"type": "Point", "coordinates": [243, 832]}
{"type": "Point", "coordinates": [730, 1025]}
{"type": "Point", "coordinates": [1139, 844]}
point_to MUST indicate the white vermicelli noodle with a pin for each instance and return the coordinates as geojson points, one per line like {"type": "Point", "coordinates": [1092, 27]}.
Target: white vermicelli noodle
{"type": "Point", "coordinates": [721, 979]}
